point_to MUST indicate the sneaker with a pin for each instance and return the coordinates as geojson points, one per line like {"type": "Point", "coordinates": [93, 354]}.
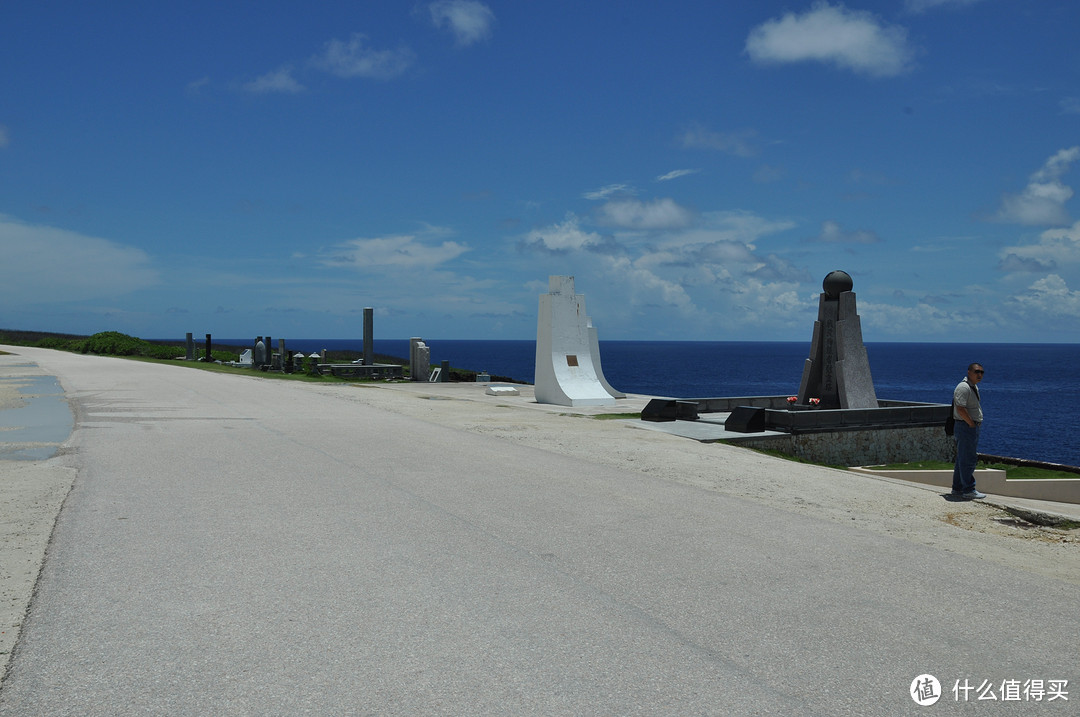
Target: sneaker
{"type": "Point", "coordinates": [973, 495]}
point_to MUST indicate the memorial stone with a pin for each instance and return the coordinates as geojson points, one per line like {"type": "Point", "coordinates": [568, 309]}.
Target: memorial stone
{"type": "Point", "coordinates": [838, 369]}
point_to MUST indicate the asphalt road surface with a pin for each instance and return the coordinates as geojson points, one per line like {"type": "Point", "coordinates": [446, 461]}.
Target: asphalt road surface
{"type": "Point", "coordinates": [243, 546]}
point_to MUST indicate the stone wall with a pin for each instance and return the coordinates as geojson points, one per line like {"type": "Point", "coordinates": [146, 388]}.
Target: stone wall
{"type": "Point", "coordinates": [861, 447]}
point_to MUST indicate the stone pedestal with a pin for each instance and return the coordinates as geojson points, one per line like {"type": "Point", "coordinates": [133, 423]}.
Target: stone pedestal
{"type": "Point", "coordinates": [838, 369]}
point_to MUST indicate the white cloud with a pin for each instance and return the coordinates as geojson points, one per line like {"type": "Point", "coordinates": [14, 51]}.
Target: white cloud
{"type": "Point", "coordinates": [851, 39]}
{"type": "Point", "coordinates": [738, 143]}
{"type": "Point", "coordinates": [44, 264]}
{"type": "Point", "coordinates": [768, 173]}
{"type": "Point", "coordinates": [833, 233]}
{"type": "Point", "coordinates": [644, 281]}
{"type": "Point", "coordinates": [352, 58]}
{"type": "Point", "coordinates": [1056, 247]}
{"type": "Point", "coordinates": [280, 80]}
{"type": "Point", "coordinates": [196, 87]}
{"type": "Point", "coordinates": [1070, 105]}
{"type": "Point", "coordinates": [609, 190]}
{"type": "Point", "coordinates": [920, 320]}
{"type": "Point", "coordinates": [469, 20]}
{"type": "Point", "coordinates": [655, 214]}
{"type": "Point", "coordinates": [1050, 297]}
{"type": "Point", "coordinates": [392, 252]}
{"type": "Point", "coordinates": [1043, 200]}
{"type": "Point", "coordinates": [565, 237]}
{"type": "Point", "coordinates": [675, 174]}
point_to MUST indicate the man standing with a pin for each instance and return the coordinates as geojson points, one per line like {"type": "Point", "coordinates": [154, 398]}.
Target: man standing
{"type": "Point", "coordinates": [968, 414]}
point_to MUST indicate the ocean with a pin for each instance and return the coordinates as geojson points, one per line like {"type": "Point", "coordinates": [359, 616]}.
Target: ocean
{"type": "Point", "coordinates": [1027, 391]}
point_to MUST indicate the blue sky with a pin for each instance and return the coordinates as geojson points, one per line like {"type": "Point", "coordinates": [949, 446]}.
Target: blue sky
{"type": "Point", "coordinates": [250, 168]}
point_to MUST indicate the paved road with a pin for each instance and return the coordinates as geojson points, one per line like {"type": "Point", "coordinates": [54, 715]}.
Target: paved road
{"type": "Point", "coordinates": [237, 546]}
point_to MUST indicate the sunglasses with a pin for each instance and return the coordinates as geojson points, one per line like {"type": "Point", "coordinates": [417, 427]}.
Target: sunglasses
{"type": "Point", "coordinates": [978, 370]}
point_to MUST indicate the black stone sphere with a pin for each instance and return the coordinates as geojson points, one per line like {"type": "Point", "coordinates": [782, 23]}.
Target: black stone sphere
{"type": "Point", "coordinates": [836, 283]}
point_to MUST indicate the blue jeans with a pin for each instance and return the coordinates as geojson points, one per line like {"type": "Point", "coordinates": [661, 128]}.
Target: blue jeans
{"type": "Point", "coordinates": [967, 454]}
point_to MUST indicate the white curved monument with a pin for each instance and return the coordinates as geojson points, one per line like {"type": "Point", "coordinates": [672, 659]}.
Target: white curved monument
{"type": "Point", "coordinates": [568, 371]}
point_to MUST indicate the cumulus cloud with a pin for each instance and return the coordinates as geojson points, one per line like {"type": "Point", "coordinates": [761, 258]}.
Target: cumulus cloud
{"type": "Point", "coordinates": [833, 233]}
{"type": "Point", "coordinates": [675, 174]}
{"type": "Point", "coordinates": [855, 40]}
{"type": "Point", "coordinates": [738, 143]}
{"type": "Point", "coordinates": [353, 58]}
{"type": "Point", "coordinates": [1056, 247]}
{"type": "Point", "coordinates": [650, 215]}
{"type": "Point", "coordinates": [923, 319]}
{"type": "Point", "coordinates": [280, 80]}
{"type": "Point", "coordinates": [1043, 200]}
{"type": "Point", "coordinates": [469, 20]}
{"type": "Point", "coordinates": [48, 265]}
{"type": "Point", "coordinates": [1050, 297]}
{"type": "Point", "coordinates": [567, 236]}
{"type": "Point", "coordinates": [393, 252]}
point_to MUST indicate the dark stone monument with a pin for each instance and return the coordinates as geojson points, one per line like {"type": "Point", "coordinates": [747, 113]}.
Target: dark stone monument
{"type": "Point", "coordinates": [838, 369]}
{"type": "Point", "coordinates": [190, 353]}
{"type": "Point", "coordinates": [208, 356]}
{"type": "Point", "coordinates": [369, 336]}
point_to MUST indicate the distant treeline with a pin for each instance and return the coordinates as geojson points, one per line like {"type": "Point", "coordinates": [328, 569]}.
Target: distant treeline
{"type": "Point", "coordinates": [109, 343]}
{"type": "Point", "coordinates": [114, 343]}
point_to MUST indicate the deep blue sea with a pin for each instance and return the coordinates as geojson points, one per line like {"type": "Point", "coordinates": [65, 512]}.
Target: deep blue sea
{"type": "Point", "coordinates": [1030, 394]}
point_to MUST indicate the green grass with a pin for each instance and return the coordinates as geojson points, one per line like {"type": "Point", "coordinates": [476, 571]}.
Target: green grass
{"type": "Point", "coordinates": [615, 416]}
{"type": "Point", "coordinates": [1011, 472]}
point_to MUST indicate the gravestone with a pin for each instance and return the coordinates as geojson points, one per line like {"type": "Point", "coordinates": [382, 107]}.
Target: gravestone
{"type": "Point", "coordinates": [190, 353]}
{"type": "Point", "coordinates": [838, 369]}
{"type": "Point", "coordinates": [567, 357]}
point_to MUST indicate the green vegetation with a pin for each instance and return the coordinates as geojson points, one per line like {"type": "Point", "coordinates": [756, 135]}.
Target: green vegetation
{"type": "Point", "coordinates": [616, 416]}
{"type": "Point", "coordinates": [1011, 472]}
{"type": "Point", "coordinates": [106, 343]}
{"type": "Point", "coordinates": [114, 343]}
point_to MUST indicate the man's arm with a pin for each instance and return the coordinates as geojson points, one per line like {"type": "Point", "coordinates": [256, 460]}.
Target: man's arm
{"type": "Point", "coordinates": [965, 415]}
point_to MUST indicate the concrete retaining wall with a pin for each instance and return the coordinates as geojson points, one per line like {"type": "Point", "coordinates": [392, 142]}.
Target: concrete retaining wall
{"type": "Point", "coordinates": [860, 448]}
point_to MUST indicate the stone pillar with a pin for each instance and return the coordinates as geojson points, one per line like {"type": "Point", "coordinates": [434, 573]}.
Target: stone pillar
{"type": "Point", "coordinates": [268, 358]}
{"type": "Point", "coordinates": [208, 356]}
{"type": "Point", "coordinates": [190, 353]}
{"type": "Point", "coordinates": [444, 373]}
{"type": "Point", "coordinates": [369, 336]}
{"type": "Point", "coordinates": [282, 360]}
{"type": "Point", "coordinates": [838, 368]}
{"type": "Point", "coordinates": [258, 353]}
{"type": "Point", "coordinates": [419, 359]}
